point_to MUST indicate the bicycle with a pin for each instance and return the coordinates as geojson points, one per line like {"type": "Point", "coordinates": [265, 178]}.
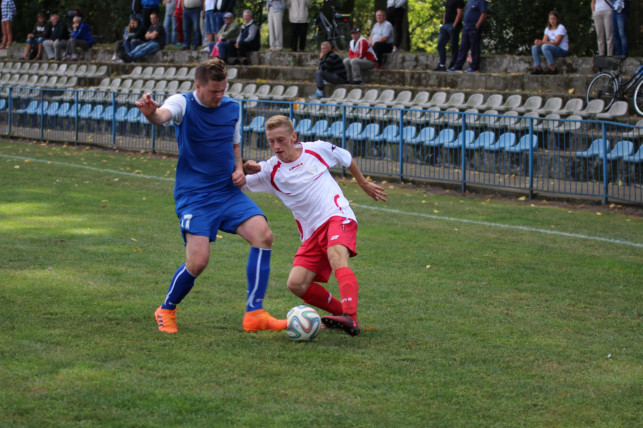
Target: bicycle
{"type": "Point", "coordinates": [333, 30]}
{"type": "Point", "coordinates": [609, 85]}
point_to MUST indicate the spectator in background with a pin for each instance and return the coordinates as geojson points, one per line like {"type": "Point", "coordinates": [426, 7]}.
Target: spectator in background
{"type": "Point", "coordinates": [191, 21]}
{"type": "Point", "coordinates": [381, 37]}
{"type": "Point", "coordinates": [249, 39]}
{"type": "Point", "coordinates": [227, 36]}
{"type": "Point", "coordinates": [221, 7]}
{"type": "Point", "coordinates": [154, 41]}
{"type": "Point", "coordinates": [169, 23]}
{"type": "Point", "coordinates": [133, 36]}
{"type": "Point", "coordinates": [298, 16]}
{"type": "Point", "coordinates": [211, 28]}
{"type": "Point", "coordinates": [56, 41]}
{"type": "Point", "coordinates": [150, 7]}
{"type": "Point", "coordinates": [395, 10]}
{"type": "Point", "coordinates": [361, 57]}
{"type": "Point", "coordinates": [137, 10]}
{"type": "Point", "coordinates": [602, 14]}
{"type": "Point", "coordinates": [178, 17]}
{"type": "Point", "coordinates": [8, 8]}
{"type": "Point", "coordinates": [80, 37]}
{"type": "Point", "coordinates": [450, 31]}
{"type": "Point", "coordinates": [619, 27]}
{"type": "Point", "coordinates": [555, 43]}
{"type": "Point", "coordinates": [331, 69]}
{"type": "Point", "coordinates": [275, 10]}
{"type": "Point", "coordinates": [36, 37]}
{"type": "Point", "coordinates": [475, 13]}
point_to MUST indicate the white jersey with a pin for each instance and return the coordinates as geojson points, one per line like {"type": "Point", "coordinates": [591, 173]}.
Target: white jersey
{"type": "Point", "coordinates": [305, 185]}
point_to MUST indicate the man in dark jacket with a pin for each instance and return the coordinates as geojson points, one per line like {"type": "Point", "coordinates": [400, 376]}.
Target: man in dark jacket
{"type": "Point", "coordinates": [249, 39]}
{"type": "Point", "coordinates": [331, 69]}
{"type": "Point", "coordinates": [56, 41]}
{"type": "Point", "coordinates": [36, 37]}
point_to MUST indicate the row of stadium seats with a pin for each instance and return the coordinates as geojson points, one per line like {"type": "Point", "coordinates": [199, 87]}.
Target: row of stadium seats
{"type": "Point", "coordinates": [459, 102]}
{"type": "Point", "coordinates": [419, 139]}
{"type": "Point", "coordinates": [37, 81]}
{"type": "Point", "coordinates": [169, 73]}
{"type": "Point", "coordinates": [54, 69]}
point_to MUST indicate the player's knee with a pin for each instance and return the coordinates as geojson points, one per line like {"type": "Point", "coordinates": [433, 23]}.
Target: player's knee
{"type": "Point", "coordinates": [296, 287]}
{"type": "Point", "coordinates": [196, 265]}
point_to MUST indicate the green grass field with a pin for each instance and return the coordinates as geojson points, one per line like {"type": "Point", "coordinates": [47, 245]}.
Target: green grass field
{"type": "Point", "coordinates": [475, 312]}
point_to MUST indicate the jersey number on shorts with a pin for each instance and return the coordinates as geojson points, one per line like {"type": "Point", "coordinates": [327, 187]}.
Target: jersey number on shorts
{"type": "Point", "coordinates": [185, 221]}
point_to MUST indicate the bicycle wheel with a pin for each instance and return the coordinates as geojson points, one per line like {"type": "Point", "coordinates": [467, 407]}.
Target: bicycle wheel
{"type": "Point", "coordinates": [638, 98]}
{"type": "Point", "coordinates": [603, 86]}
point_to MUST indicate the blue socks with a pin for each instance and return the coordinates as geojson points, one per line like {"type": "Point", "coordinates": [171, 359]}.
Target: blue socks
{"type": "Point", "coordinates": [258, 271]}
{"type": "Point", "coordinates": [180, 286]}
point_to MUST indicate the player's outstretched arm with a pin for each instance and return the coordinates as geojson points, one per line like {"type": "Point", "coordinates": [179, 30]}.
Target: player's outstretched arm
{"type": "Point", "coordinates": [372, 189]}
{"type": "Point", "coordinates": [150, 109]}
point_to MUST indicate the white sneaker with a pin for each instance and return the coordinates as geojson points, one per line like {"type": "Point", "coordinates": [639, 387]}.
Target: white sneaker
{"type": "Point", "coordinates": [205, 49]}
{"type": "Point", "coordinates": [114, 58]}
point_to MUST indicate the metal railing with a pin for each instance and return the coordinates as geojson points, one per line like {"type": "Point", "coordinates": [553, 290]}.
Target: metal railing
{"type": "Point", "coordinates": [561, 156]}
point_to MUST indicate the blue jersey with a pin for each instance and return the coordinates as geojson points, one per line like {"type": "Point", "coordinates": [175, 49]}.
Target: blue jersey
{"type": "Point", "coordinates": [206, 159]}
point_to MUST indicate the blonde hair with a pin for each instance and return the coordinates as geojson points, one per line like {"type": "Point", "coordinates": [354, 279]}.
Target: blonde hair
{"type": "Point", "coordinates": [278, 122]}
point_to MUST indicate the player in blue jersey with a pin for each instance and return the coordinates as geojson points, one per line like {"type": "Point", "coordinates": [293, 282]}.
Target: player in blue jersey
{"type": "Point", "coordinates": [209, 175]}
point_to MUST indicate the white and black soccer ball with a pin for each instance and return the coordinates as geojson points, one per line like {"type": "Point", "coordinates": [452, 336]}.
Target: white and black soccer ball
{"type": "Point", "coordinates": [304, 323]}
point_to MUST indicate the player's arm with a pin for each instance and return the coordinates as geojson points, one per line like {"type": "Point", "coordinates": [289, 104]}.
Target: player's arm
{"type": "Point", "coordinates": [238, 177]}
{"type": "Point", "coordinates": [251, 167]}
{"type": "Point", "coordinates": [150, 109]}
{"type": "Point", "coordinates": [371, 189]}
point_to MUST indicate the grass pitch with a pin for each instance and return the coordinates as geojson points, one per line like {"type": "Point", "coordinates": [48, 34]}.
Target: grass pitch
{"type": "Point", "coordinates": [474, 312]}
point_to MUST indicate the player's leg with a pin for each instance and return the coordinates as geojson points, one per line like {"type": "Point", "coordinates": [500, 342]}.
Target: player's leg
{"type": "Point", "coordinates": [300, 283]}
{"type": "Point", "coordinates": [343, 234]}
{"type": "Point", "coordinates": [256, 231]}
{"type": "Point", "coordinates": [197, 255]}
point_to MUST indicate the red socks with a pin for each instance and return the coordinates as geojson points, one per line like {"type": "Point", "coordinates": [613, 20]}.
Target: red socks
{"type": "Point", "coordinates": [348, 290]}
{"type": "Point", "coordinates": [318, 296]}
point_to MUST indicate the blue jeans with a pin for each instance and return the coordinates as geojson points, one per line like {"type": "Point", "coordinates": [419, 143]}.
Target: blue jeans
{"type": "Point", "coordinates": [36, 41]}
{"type": "Point", "coordinates": [218, 21]}
{"type": "Point", "coordinates": [449, 33]}
{"type": "Point", "coordinates": [170, 29]}
{"type": "Point", "coordinates": [224, 48]}
{"type": "Point", "coordinates": [191, 21]}
{"type": "Point", "coordinates": [550, 52]}
{"type": "Point", "coordinates": [129, 45]}
{"type": "Point", "coordinates": [619, 29]}
{"type": "Point", "coordinates": [146, 48]}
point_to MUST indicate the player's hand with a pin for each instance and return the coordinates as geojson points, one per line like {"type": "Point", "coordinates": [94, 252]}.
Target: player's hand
{"type": "Point", "coordinates": [374, 191]}
{"type": "Point", "coordinates": [251, 167]}
{"type": "Point", "coordinates": [239, 178]}
{"type": "Point", "coordinates": [147, 105]}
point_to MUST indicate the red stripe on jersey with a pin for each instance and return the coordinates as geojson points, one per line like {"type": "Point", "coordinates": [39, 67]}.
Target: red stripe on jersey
{"type": "Point", "coordinates": [318, 156]}
{"type": "Point", "coordinates": [272, 176]}
{"type": "Point", "coordinates": [301, 231]}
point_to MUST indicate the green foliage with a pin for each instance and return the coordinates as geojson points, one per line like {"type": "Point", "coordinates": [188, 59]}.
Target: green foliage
{"type": "Point", "coordinates": [464, 324]}
{"type": "Point", "coordinates": [425, 18]}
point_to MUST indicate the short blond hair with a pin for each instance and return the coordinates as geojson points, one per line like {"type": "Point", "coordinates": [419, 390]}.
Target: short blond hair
{"type": "Point", "coordinates": [278, 122]}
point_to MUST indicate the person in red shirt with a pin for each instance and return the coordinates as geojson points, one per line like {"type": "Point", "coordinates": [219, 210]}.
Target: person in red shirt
{"type": "Point", "coordinates": [361, 57]}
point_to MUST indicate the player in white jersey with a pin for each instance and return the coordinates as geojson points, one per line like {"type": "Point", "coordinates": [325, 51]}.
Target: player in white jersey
{"type": "Point", "coordinates": [299, 175]}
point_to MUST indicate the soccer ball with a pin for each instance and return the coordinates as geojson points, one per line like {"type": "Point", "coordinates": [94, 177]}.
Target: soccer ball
{"type": "Point", "coordinates": [303, 323]}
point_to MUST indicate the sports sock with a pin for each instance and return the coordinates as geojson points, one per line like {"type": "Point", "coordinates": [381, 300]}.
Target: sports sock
{"type": "Point", "coordinates": [180, 286]}
{"type": "Point", "coordinates": [258, 272]}
{"type": "Point", "coordinates": [317, 295]}
{"type": "Point", "coordinates": [348, 290]}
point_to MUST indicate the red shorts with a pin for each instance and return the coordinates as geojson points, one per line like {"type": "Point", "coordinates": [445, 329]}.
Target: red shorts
{"type": "Point", "coordinates": [312, 254]}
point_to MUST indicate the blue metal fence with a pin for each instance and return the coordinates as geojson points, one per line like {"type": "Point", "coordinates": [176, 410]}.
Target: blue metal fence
{"type": "Point", "coordinates": [564, 156]}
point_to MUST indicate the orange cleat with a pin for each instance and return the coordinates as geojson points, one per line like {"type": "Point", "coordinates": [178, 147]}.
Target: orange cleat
{"type": "Point", "coordinates": [261, 320]}
{"type": "Point", "coordinates": [166, 320]}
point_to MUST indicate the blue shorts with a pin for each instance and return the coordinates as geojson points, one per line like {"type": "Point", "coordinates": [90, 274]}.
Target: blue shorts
{"type": "Point", "coordinates": [204, 216]}
{"type": "Point", "coordinates": [210, 22]}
